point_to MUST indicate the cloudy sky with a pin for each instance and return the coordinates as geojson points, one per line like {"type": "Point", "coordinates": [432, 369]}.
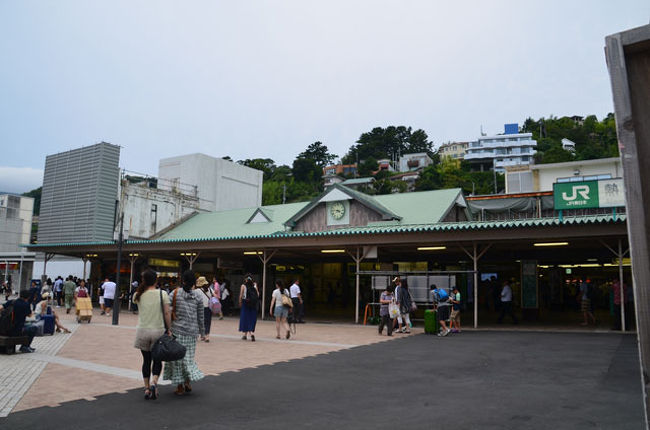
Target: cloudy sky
{"type": "Point", "coordinates": [254, 79]}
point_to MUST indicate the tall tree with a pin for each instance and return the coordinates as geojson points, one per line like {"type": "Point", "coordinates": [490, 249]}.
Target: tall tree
{"type": "Point", "coordinates": [266, 165]}
{"type": "Point", "coordinates": [319, 153]}
{"type": "Point", "coordinates": [390, 142]}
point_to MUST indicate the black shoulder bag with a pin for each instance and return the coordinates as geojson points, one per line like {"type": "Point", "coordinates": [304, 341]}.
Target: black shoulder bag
{"type": "Point", "coordinates": [166, 347]}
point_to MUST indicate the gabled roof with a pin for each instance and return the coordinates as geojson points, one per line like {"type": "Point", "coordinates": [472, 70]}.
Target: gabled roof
{"type": "Point", "coordinates": [358, 181]}
{"type": "Point", "coordinates": [364, 199]}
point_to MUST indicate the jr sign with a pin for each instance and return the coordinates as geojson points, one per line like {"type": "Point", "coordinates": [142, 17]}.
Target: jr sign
{"type": "Point", "coordinates": [589, 194]}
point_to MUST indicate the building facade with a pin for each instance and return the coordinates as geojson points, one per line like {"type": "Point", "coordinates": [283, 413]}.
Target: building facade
{"type": "Point", "coordinates": [541, 177]}
{"type": "Point", "coordinates": [415, 161]}
{"type": "Point", "coordinates": [501, 151]}
{"type": "Point", "coordinates": [80, 190]}
{"type": "Point", "coordinates": [221, 184]}
{"type": "Point", "coordinates": [455, 150]}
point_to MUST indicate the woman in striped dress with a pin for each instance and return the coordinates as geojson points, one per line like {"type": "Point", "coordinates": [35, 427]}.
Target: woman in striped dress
{"type": "Point", "coordinates": [187, 325]}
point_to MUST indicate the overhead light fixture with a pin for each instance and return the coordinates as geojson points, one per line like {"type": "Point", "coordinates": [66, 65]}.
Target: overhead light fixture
{"type": "Point", "coordinates": [431, 248]}
{"type": "Point", "coordinates": [253, 252]}
{"type": "Point", "coordinates": [592, 259]}
{"type": "Point", "coordinates": [551, 244]}
{"type": "Point", "coordinates": [134, 254]}
{"type": "Point", "coordinates": [188, 254]}
{"type": "Point", "coordinates": [91, 255]}
{"type": "Point", "coordinates": [589, 265]}
{"type": "Point", "coordinates": [332, 251]}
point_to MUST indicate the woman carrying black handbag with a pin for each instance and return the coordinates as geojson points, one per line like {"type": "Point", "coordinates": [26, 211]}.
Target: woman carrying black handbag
{"type": "Point", "coordinates": [187, 325]}
{"type": "Point", "coordinates": [152, 321]}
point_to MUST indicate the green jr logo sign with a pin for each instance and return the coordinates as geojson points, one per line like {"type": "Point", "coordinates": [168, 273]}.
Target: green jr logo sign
{"type": "Point", "coordinates": [576, 195]}
{"type": "Point", "coordinates": [588, 194]}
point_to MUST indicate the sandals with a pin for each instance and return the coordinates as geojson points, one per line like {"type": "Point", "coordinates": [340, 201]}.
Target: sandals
{"type": "Point", "coordinates": [153, 390]}
{"type": "Point", "coordinates": [180, 390]}
{"type": "Point", "coordinates": [147, 393]}
{"type": "Point", "coordinates": [188, 387]}
{"type": "Point", "coordinates": [243, 337]}
{"type": "Point", "coordinates": [277, 337]}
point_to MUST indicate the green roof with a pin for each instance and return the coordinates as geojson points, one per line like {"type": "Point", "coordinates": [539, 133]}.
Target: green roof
{"type": "Point", "coordinates": [422, 207]}
{"type": "Point", "coordinates": [380, 229]}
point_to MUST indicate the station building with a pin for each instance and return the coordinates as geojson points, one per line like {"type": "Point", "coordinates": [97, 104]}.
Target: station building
{"type": "Point", "coordinates": [344, 245]}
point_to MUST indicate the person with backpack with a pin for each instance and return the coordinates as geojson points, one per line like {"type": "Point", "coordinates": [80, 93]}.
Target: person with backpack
{"type": "Point", "coordinates": [454, 318]}
{"type": "Point", "coordinates": [187, 325]}
{"type": "Point", "coordinates": [12, 320]}
{"type": "Point", "coordinates": [248, 304]}
{"type": "Point", "coordinates": [442, 305]}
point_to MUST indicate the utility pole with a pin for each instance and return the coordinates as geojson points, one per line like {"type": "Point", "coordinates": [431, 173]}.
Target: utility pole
{"type": "Point", "coordinates": [116, 299]}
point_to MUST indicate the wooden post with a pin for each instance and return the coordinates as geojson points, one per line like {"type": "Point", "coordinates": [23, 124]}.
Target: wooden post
{"type": "Point", "coordinates": [357, 259]}
{"type": "Point", "coordinates": [628, 61]}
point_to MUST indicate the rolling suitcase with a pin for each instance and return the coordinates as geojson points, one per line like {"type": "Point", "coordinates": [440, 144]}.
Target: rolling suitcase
{"type": "Point", "coordinates": [48, 327]}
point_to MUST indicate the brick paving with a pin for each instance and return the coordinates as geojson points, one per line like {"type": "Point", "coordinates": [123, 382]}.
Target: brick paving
{"type": "Point", "coordinates": [99, 358]}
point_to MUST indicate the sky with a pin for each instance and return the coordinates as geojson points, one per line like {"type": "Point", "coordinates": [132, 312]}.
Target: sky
{"type": "Point", "coordinates": [265, 79]}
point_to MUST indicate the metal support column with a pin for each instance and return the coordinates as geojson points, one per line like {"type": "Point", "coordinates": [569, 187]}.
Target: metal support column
{"type": "Point", "coordinates": [619, 256]}
{"type": "Point", "coordinates": [191, 257]}
{"type": "Point", "coordinates": [357, 259]}
{"type": "Point", "coordinates": [133, 257]}
{"type": "Point", "coordinates": [265, 259]}
{"type": "Point", "coordinates": [475, 257]}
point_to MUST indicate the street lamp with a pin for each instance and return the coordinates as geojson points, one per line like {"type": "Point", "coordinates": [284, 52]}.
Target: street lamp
{"type": "Point", "coordinates": [116, 299]}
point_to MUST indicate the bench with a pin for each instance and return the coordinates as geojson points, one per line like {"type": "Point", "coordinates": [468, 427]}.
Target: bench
{"type": "Point", "coordinates": [8, 343]}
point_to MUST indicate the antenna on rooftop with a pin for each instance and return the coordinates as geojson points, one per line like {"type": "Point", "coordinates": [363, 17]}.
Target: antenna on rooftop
{"type": "Point", "coordinates": [482, 134]}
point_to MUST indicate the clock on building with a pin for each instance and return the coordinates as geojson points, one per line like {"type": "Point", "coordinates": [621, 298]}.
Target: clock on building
{"type": "Point", "coordinates": [337, 210]}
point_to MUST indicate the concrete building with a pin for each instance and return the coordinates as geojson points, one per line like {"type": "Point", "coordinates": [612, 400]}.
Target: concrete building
{"type": "Point", "coordinates": [15, 221]}
{"type": "Point", "coordinates": [415, 161]}
{"type": "Point", "coordinates": [221, 184]}
{"type": "Point", "coordinates": [150, 205]}
{"type": "Point", "coordinates": [80, 190]}
{"type": "Point", "coordinates": [501, 151]}
{"type": "Point", "coordinates": [15, 230]}
{"type": "Point", "coordinates": [455, 150]}
{"type": "Point", "coordinates": [541, 177]}
{"type": "Point", "coordinates": [340, 169]}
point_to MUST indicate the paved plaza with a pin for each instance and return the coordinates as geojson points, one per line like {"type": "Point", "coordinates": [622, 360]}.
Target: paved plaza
{"type": "Point", "coordinates": [331, 376]}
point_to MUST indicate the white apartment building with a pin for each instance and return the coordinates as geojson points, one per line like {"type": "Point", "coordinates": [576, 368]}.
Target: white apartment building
{"type": "Point", "coordinates": [501, 151]}
{"type": "Point", "coordinates": [221, 184]}
{"type": "Point", "coordinates": [415, 161]}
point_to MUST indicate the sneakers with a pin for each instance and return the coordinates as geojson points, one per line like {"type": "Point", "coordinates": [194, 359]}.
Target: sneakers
{"type": "Point", "coordinates": [443, 333]}
{"type": "Point", "coordinates": [26, 349]}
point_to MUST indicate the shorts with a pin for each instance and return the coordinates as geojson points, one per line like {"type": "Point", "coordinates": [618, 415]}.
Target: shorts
{"type": "Point", "coordinates": [455, 316]}
{"type": "Point", "coordinates": [585, 305]}
{"type": "Point", "coordinates": [108, 303]}
{"type": "Point", "coordinates": [443, 313]}
{"type": "Point", "coordinates": [281, 312]}
{"type": "Point", "coordinates": [101, 300]}
{"type": "Point", "coordinates": [146, 337]}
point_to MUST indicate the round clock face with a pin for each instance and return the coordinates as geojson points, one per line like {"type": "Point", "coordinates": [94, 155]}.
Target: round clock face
{"type": "Point", "coordinates": [337, 210]}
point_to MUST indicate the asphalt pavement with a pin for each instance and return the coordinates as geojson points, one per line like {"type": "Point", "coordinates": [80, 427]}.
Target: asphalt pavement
{"type": "Point", "coordinates": [486, 380]}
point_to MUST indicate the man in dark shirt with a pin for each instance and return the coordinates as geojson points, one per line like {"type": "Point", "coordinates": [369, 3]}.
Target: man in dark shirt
{"type": "Point", "coordinates": [22, 310]}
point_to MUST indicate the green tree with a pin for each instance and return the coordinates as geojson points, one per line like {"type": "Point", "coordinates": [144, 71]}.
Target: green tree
{"type": "Point", "coordinates": [389, 142]}
{"type": "Point", "coordinates": [319, 153]}
{"type": "Point", "coordinates": [36, 195]}
{"type": "Point", "coordinates": [266, 165]}
{"type": "Point", "coordinates": [556, 154]}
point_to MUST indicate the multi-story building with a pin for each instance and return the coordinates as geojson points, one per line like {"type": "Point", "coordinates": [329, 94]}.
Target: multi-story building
{"type": "Point", "coordinates": [501, 151]}
{"type": "Point", "coordinates": [150, 206]}
{"type": "Point", "coordinates": [340, 169]}
{"type": "Point", "coordinates": [221, 184]}
{"type": "Point", "coordinates": [80, 190]}
{"type": "Point", "coordinates": [541, 177]}
{"type": "Point", "coordinates": [415, 161]}
{"type": "Point", "coordinates": [15, 230]}
{"type": "Point", "coordinates": [455, 150]}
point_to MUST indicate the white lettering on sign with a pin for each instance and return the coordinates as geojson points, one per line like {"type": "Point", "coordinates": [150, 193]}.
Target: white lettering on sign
{"type": "Point", "coordinates": [583, 190]}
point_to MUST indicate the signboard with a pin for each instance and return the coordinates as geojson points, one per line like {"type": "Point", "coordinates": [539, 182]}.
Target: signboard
{"type": "Point", "coordinates": [159, 262]}
{"type": "Point", "coordinates": [589, 194]}
{"type": "Point", "coordinates": [529, 284]}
